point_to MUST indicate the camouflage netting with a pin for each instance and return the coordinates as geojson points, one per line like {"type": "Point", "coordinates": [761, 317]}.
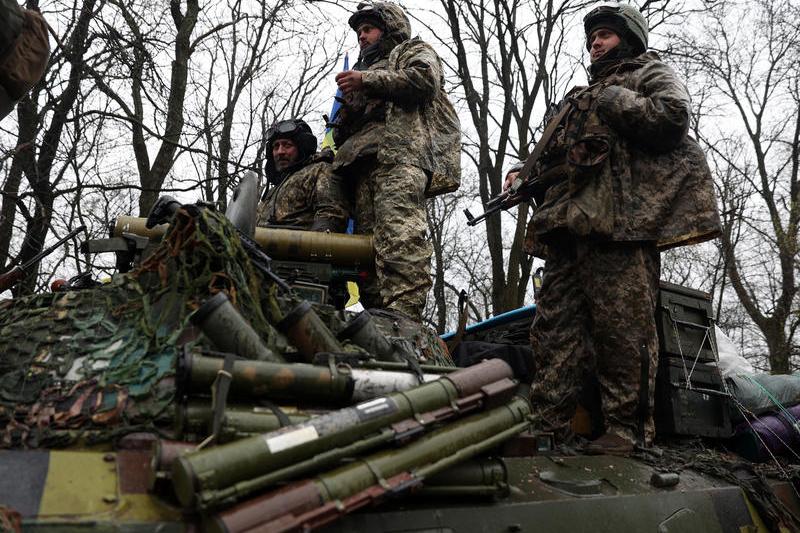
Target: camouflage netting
{"type": "Point", "coordinates": [694, 454]}
{"type": "Point", "coordinates": [96, 363]}
{"type": "Point", "coordinates": [91, 365]}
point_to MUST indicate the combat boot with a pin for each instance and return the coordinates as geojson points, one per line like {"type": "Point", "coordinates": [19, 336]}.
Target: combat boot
{"type": "Point", "coordinates": [609, 444]}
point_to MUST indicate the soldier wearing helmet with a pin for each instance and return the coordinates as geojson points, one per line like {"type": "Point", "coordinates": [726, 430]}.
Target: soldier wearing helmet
{"type": "Point", "coordinates": [302, 190]}
{"type": "Point", "coordinates": [398, 140]}
{"type": "Point", "coordinates": [630, 183]}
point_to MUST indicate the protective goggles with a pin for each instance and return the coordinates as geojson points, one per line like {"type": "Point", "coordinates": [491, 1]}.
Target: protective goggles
{"type": "Point", "coordinates": [284, 128]}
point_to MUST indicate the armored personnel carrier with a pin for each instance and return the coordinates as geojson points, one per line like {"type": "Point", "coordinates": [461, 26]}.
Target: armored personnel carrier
{"type": "Point", "coordinates": [211, 387]}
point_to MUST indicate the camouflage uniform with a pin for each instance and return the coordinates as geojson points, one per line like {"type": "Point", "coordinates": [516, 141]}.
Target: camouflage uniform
{"type": "Point", "coordinates": [398, 139]}
{"type": "Point", "coordinates": [24, 50]}
{"type": "Point", "coordinates": [633, 183]}
{"type": "Point", "coordinates": [10, 28]}
{"type": "Point", "coordinates": [311, 197]}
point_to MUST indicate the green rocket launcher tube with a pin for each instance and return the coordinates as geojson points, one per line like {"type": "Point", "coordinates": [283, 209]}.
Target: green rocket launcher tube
{"type": "Point", "coordinates": [478, 477]}
{"type": "Point", "coordinates": [262, 379]}
{"type": "Point", "coordinates": [195, 418]}
{"type": "Point", "coordinates": [313, 503]}
{"type": "Point", "coordinates": [330, 384]}
{"type": "Point", "coordinates": [222, 323]}
{"type": "Point", "coordinates": [400, 432]}
{"type": "Point", "coordinates": [197, 477]}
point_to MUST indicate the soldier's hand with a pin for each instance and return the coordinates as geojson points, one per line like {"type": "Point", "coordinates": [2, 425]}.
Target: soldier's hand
{"type": "Point", "coordinates": [349, 80]}
{"type": "Point", "coordinates": [510, 177]}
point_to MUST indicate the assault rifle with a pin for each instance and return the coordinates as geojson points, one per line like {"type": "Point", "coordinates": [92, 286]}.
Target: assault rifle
{"type": "Point", "coordinates": [528, 184]}
{"type": "Point", "coordinates": [10, 278]}
{"type": "Point", "coordinates": [524, 188]}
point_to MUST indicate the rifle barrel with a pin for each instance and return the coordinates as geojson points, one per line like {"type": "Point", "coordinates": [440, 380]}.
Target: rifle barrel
{"type": "Point", "coordinates": [10, 278]}
{"type": "Point", "coordinates": [47, 251]}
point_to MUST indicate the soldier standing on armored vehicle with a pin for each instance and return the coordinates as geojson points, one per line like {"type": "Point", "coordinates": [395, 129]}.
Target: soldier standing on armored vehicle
{"type": "Point", "coordinates": [305, 193]}
{"type": "Point", "coordinates": [399, 140]}
{"type": "Point", "coordinates": [630, 183]}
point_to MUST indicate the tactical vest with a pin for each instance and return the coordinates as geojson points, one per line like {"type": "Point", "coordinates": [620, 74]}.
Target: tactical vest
{"type": "Point", "coordinates": [621, 187]}
{"type": "Point", "coordinates": [581, 201]}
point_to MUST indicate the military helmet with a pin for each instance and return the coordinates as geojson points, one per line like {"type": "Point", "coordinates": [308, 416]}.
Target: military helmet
{"type": "Point", "coordinates": [367, 12]}
{"type": "Point", "coordinates": [296, 130]}
{"type": "Point", "coordinates": [616, 16]}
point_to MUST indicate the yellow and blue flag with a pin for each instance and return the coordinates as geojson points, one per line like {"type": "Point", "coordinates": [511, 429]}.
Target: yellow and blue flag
{"type": "Point", "coordinates": [327, 141]}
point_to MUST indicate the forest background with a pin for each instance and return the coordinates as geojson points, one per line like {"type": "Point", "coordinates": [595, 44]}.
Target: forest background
{"type": "Point", "coordinates": [148, 97]}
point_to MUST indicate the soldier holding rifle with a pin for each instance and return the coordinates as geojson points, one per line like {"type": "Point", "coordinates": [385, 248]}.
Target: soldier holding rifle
{"type": "Point", "coordinates": [616, 180]}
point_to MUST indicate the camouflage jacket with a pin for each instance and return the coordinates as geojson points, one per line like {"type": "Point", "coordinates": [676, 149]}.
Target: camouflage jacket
{"type": "Point", "coordinates": [630, 171]}
{"type": "Point", "coordinates": [11, 19]}
{"type": "Point", "coordinates": [312, 197]}
{"type": "Point", "coordinates": [420, 126]}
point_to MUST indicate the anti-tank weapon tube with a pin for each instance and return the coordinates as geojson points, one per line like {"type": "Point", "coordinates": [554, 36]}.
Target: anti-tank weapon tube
{"type": "Point", "coordinates": [261, 379]}
{"type": "Point", "coordinates": [219, 320]}
{"type": "Point", "coordinates": [282, 244]}
{"type": "Point", "coordinates": [194, 419]}
{"type": "Point", "coordinates": [331, 384]}
{"type": "Point", "coordinates": [307, 332]}
{"type": "Point", "coordinates": [203, 477]}
{"type": "Point", "coordinates": [314, 503]}
{"type": "Point", "coordinates": [478, 477]}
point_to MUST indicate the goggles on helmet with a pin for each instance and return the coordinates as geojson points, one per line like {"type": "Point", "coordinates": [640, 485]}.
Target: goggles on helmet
{"type": "Point", "coordinates": [366, 12]}
{"type": "Point", "coordinates": [284, 128]}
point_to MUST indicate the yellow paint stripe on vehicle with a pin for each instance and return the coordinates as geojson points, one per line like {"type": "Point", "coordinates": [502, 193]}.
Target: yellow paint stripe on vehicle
{"type": "Point", "coordinates": [145, 508]}
{"type": "Point", "coordinates": [758, 523]}
{"type": "Point", "coordinates": [79, 484]}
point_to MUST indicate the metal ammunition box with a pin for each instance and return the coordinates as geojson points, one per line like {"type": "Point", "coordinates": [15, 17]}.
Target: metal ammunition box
{"type": "Point", "coordinates": [697, 406]}
{"type": "Point", "coordinates": [683, 319]}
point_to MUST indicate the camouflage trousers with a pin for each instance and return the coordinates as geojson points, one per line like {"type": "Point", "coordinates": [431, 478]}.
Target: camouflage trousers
{"type": "Point", "coordinates": [595, 320]}
{"type": "Point", "coordinates": [390, 204]}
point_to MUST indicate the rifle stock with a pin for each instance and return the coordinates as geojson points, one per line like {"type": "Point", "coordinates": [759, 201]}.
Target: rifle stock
{"type": "Point", "coordinates": [10, 278]}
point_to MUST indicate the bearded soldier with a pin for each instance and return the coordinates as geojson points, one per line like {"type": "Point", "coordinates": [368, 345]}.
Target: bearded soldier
{"type": "Point", "coordinates": [304, 192]}
{"type": "Point", "coordinates": [399, 141]}
{"type": "Point", "coordinates": [629, 183]}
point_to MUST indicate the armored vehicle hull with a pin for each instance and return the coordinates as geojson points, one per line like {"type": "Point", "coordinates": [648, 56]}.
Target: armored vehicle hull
{"type": "Point", "coordinates": [123, 409]}
{"type": "Point", "coordinates": [108, 491]}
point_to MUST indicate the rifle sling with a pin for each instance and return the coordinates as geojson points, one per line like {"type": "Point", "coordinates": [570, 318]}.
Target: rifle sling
{"type": "Point", "coordinates": [544, 140]}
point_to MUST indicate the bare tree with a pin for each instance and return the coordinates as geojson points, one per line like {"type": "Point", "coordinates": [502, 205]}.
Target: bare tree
{"type": "Point", "coordinates": [42, 118]}
{"type": "Point", "coordinates": [745, 57]}
{"type": "Point", "coordinates": [508, 58]}
{"type": "Point", "coordinates": [264, 69]}
{"type": "Point", "coordinates": [135, 34]}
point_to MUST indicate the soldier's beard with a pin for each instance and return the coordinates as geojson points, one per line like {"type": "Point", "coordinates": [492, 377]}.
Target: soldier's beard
{"type": "Point", "coordinates": [369, 55]}
{"type": "Point", "coordinates": [282, 164]}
